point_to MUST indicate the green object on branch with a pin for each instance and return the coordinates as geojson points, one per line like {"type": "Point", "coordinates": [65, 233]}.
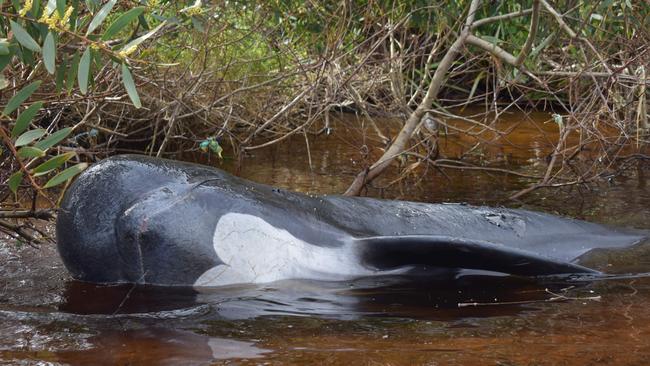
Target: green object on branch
{"type": "Point", "coordinates": [211, 144]}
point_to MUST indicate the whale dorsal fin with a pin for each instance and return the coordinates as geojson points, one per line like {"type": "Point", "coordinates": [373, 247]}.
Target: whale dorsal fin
{"type": "Point", "coordinates": [393, 252]}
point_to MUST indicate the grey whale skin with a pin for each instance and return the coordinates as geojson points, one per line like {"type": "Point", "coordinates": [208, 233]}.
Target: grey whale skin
{"type": "Point", "coordinates": [136, 219]}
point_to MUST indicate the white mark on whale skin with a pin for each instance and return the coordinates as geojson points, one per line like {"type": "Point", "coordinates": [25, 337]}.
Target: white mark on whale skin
{"type": "Point", "coordinates": [255, 251]}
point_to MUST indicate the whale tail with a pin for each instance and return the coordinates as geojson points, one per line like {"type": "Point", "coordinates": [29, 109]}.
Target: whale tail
{"type": "Point", "coordinates": [430, 252]}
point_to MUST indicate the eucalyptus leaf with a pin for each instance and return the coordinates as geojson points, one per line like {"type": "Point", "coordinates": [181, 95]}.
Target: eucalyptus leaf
{"type": "Point", "coordinates": [60, 6]}
{"type": "Point", "coordinates": [122, 22]}
{"type": "Point", "coordinates": [65, 175]}
{"type": "Point", "coordinates": [4, 60]}
{"type": "Point", "coordinates": [36, 9]}
{"type": "Point", "coordinates": [53, 139]}
{"type": "Point", "coordinates": [93, 5]}
{"type": "Point", "coordinates": [137, 41]}
{"type": "Point", "coordinates": [100, 16]}
{"type": "Point", "coordinates": [29, 136]}
{"type": "Point", "coordinates": [3, 82]}
{"type": "Point", "coordinates": [84, 71]}
{"type": "Point", "coordinates": [60, 76]}
{"type": "Point", "coordinates": [72, 73]}
{"type": "Point", "coordinates": [129, 84]}
{"type": "Point", "coordinates": [4, 47]}
{"type": "Point", "coordinates": [14, 181]}
{"type": "Point", "coordinates": [49, 53]}
{"type": "Point", "coordinates": [23, 120]}
{"type": "Point", "coordinates": [52, 164]}
{"type": "Point", "coordinates": [49, 8]}
{"type": "Point", "coordinates": [30, 152]}
{"type": "Point", "coordinates": [198, 24]}
{"type": "Point", "coordinates": [23, 37]}
{"type": "Point", "coordinates": [20, 97]}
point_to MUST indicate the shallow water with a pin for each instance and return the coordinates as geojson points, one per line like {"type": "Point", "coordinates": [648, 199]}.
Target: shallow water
{"type": "Point", "coordinates": [46, 318]}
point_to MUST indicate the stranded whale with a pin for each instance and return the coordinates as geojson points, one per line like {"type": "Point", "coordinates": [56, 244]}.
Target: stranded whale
{"type": "Point", "coordinates": [143, 220]}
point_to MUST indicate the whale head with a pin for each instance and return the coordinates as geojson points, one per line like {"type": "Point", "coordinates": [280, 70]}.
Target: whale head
{"type": "Point", "coordinates": [162, 237]}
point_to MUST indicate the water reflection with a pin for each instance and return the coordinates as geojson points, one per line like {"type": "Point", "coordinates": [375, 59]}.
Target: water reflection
{"type": "Point", "coordinates": [86, 298]}
{"type": "Point", "coordinates": [159, 346]}
{"type": "Point", "coordinates": [447, 297]}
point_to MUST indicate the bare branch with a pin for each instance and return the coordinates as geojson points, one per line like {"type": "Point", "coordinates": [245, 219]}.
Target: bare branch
{"type": "Point", "coordinates": [497, 18]}
{"type": "Point", "coordinates": [531, 35]}
{"type": "Point", "coordinates": [493, 49]}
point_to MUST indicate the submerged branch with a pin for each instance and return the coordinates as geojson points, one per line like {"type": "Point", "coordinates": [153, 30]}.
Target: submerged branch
{"type": "Point", "coordinates": [24, 214]}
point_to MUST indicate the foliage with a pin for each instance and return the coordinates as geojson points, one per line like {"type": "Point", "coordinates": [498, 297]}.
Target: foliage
{"type": "Point", "coordinates": [52, 35]}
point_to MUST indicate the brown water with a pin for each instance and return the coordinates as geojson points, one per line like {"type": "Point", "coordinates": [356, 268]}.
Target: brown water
{"type": "Point", "coordinates": [46, 318]}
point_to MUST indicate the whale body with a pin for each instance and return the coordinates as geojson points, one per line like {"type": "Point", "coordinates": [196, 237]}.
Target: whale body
{"type": "Point", "coordinates": [143, 220]}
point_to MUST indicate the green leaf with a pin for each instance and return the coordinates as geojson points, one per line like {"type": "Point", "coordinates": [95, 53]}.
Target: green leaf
{"type": "Point", "coordinates": [4, 61]}
{"type": "Point", "coordinates": [52, 164]}
{"type": "Point", "coordinates": [35, 12]}
{"type": "Point", "coordinates": [23, 37]}
{"type": "Point", "coordinates": [49, 53]}
{"type": "Point", "coordinates": [22, 122]}
{"type": "Point", "coordinates": [26, 56]}
{"type": "Point", "coordinates": [60, 7]}
{"type": "Point", "coordinates": [142, 21]}
{"type": "Point", "coordinates": [122, 22]}
{"type": "Point", "coordinates": [198, 24]}
{"type": "Point", "coordinates": [65, 175]}
{"type": "Point", "coordinates": [84, 71]}
{"type": "Point", "coordinates": [72, 73]}
{"type": "Point", "coordinates": [53, 139]}
{"type": "Point", "coordinates": [3, 81]}
{"type": "Point", "coordinates": [30, 152]}
{"type": "Point", "coordinates": [74, 17]}
{"type": "Point", "coordinates": [29, 136]}
{"type": "Point", "coordinates": [49, 8]}
{"type": "Point", "coordinates": [100, 16]}
{"type": "Point", "coordinates": [93, 5]}
{"type": "Point", "coordinates": [60, 76]}
{"type": "Point", "coordinates": [14, 181]}
{"type": "Point", "coordinates": [20, 97]}
{"type": "Point", "coordinates": [137, 41]}
{"type": "Point", "coordinates": [4, 47]}
{"type": "Point", "coordinates": [129, 84]}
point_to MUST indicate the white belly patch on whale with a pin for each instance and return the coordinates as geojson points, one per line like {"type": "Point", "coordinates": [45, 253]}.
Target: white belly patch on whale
{"type": "Point", "coordinates": [255, 251]}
